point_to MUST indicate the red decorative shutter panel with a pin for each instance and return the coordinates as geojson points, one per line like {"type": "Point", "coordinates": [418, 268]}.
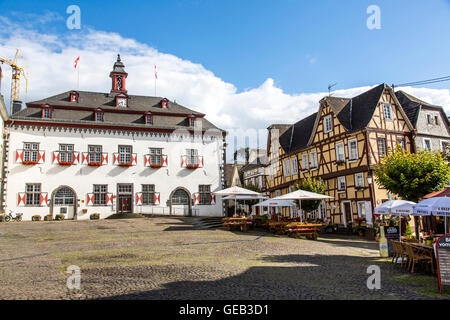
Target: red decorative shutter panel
{"type": "Point", "coordinates": [109, 199]}
{"type": "Point", "coordinates": [55, 158]}
{"type": "Point", "coordinates": [146, 160]}
{"type": "Point", "coordinates": [139, 198]}
{"type": "Point", "coordinates": [41, 156]}
{"type": "Point", "coordinates": [19, 156]}
{"type": "Point", "coordinates": [157, 198]}
{"type": "Point", "coordinates": [134, 159]}
{"type": "Point", "coordinates": [213, 198]}
{"type": "Point", "coordinates": [165, 163]}
{"type": "Point", "coordinates": [115, 158]}
{"type": "Point", "coordinates": [76, 157]}
{"type": "Point", "coordinates": [200, 160]}
{"type": "Point", "coordinates": [196, 198]}
{"type": "Point", "coordinates": [21, 199]}
{"type": "Point", "coordinates": [90, 199]}
{"type": "Point", "coordinates": [104, 158]}
{"type": "Point", "coordinates": [183, 161]}
{"type": "Point", "coordinates": [43, 199]}
{"type": "Point", "coordinates": [84, 158]}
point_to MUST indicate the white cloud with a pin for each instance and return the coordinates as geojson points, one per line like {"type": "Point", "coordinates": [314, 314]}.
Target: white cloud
{"type": "Point", "coordinates": [50, 59]}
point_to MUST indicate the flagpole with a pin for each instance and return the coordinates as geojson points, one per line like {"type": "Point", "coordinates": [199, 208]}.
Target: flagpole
{"type": "Point", "coordinates": [155, 80]}
{"type": "Point", "coordinates": [78, 80]}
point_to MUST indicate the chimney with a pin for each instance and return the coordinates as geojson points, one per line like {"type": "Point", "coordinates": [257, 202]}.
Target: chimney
{"type": "Point", "coordinates": [17, 106]}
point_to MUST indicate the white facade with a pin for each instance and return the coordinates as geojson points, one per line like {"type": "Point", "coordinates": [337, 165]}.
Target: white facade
{"type": "Point", "coordinates": [80, 178]}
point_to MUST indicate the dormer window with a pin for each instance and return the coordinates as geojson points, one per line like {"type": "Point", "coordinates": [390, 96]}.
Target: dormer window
{"type": "Point", "coordinates": [46, 112]}
{"type": "Point", "coordinates": [164, 103]}
{"type": "Point", "coordinates": [191, 121]}
{"type": "Point", "coordinates": [99, 115]}
{"type": "Point", "coordinates": [148, 119]}
{"type": "Point", "coordinates": [74, 96]}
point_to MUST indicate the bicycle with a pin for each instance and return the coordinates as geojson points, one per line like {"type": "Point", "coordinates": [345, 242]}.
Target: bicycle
{"type": "Point", "coordinates": [18, 216]}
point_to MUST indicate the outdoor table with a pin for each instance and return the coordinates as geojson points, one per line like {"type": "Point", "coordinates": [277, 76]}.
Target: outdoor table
{"type": "Point", "coordinates": [237, 223]}
{"type": "Point", "coordinates": [277, 227]}
{"type": "Point", "coordinates": [308, 230]}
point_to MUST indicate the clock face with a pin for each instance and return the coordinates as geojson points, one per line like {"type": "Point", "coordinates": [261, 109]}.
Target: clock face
{"type": "Point", "coordinates": [121, 102]}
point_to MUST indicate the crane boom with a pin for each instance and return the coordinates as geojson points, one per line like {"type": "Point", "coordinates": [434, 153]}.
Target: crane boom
{"type": "Point", "coordinates": [16, 73]}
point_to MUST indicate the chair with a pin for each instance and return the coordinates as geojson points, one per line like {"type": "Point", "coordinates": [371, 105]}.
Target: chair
{"type": "Point", "coordinates": [416, 256]}
{"type": "Point", "coordinates": [397, 251]}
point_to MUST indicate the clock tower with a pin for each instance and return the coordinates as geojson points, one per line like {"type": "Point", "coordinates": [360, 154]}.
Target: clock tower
{"type": "Point", "coordinates": [118, 76]}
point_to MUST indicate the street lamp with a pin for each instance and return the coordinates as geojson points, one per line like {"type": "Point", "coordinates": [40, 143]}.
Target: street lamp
{"type": "Point", "coordinates": [369, 180]}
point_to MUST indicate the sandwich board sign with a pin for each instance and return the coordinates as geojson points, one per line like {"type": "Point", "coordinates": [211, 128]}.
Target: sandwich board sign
{"type": "Point", "coordinates": [442, 249]}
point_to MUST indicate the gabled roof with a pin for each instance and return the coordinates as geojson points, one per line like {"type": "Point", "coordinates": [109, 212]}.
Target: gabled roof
{"type": "Point", "coordinates": [258, 162]}
{"type": "Point", "coordinates": [358, 111]}
{"type": "Point", "coordinates": [411, 105]}
{"type": "Point", "coordinates": [297, 136]}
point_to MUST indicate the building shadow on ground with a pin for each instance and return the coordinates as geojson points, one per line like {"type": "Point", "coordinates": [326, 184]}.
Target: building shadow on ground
{"type": "Point", "coordinates": [303, 277]}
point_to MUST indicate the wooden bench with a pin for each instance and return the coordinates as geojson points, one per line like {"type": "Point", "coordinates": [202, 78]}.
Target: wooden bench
{"type": "Point", "coordinates": [243, 224]}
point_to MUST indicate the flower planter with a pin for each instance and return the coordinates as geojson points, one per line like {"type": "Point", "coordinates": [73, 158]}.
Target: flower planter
{"type": "Point", "coordinates": [65, 163]}
{"type": "Point", "coordinates": [36, 217]}
{"type": "Point", "coordinates": [29, 163]}
{"type": "Point", "coordinates": [59, 217]}
{"type": "Point", "coordinates": [48, 217]}
{"type": "Point", "coordinates": [340, 162]}
{"type": "Point", "coordinates": [94, 216]}
{"type": "Point", "coordinates": [156, 166]}
{"type": "Point", "coordinates": [95, 164]}
{"type": "Point", "coordinates": [125, 164]}
{"type": "Point", "coordinates": [2, 217]}
{"type": "Point", "coordinates": [192, 166]}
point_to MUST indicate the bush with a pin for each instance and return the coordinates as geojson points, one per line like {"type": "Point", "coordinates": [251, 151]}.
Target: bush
{"type": "Point", "coordinates": [48, 217]}
{"type": "Point", "coordinates": [94, 216]}
{"type": "Point", "coordinates": [36, 217]}
{"type": "Point", "coordinates": [59, 217]}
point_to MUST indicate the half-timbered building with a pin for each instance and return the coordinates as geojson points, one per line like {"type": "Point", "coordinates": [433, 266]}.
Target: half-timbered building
{"type": "Point", "coordinates": [82, 152]}
{"type": "Point", "coordinates": [340, 144]}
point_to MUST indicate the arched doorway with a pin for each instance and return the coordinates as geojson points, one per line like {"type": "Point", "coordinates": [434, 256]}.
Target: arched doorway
{"type": "Point", "coordinates": [180, 202]}
{"type": "Point", "coordinates": [64, 201]}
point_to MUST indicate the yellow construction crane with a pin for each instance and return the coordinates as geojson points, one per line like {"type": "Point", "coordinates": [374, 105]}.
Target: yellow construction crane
{"type": "Point", "coordinates": [15, 81]}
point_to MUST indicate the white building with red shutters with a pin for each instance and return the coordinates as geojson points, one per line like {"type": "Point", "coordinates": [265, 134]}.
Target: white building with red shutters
{"type": "Point", "coordinates": [80, 152]}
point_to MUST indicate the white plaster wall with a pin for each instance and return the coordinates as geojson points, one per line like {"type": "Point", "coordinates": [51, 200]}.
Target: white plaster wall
{"type": "Point", "coordinates": [82, 177]}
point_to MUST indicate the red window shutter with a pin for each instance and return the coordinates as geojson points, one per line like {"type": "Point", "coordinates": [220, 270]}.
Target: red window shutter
{"type": "Point", "coordinates": [19, 156]}
{"type": "Point", "coordinates": [84, 158]}
{"type": "Point", "coordinates": [21, 199]}
{"type": "Point", "coordinates": [104, 158]}
{"type": "Point", "coordinates": [139, 198]}
{"type": "Point", "coordinates": [41, 156]}
{"type": "Point", "coordinates": [196, 197]}
{"type": "Point", "coordinates": [146, 160]}
{"type": "Point", "coordinates": [165, 163]}
{"type": "Point", "coordinates": [43, 199]}
{"type": "Point", "coordinates": [90, 199]}
{"type": "Point", "coordinates": [183, 161]}
{"type": "Point", "coordinates": [134, 159]}
{"type": "Point", "coordinates": [157, 198]}
{"type": "Point", "coordinates": [109, 199]}
{"type": "Point", "coordinates": [213, 198]}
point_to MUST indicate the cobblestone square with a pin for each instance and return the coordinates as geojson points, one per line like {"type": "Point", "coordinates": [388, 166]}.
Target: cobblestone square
{"type": "Point", "coordinates": [170, 258]}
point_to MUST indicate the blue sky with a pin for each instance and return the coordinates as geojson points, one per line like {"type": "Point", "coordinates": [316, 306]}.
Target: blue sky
{"type": "Point", "coordinates": [302, 45]}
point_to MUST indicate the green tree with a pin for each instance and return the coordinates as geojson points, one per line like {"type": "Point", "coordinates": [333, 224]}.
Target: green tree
{"type": "Point", "coordinates": [312, 185]}
{"type": "Point", "coordinates": [412, 175]}
{"type": "Point", "coordinates": [252, 188]}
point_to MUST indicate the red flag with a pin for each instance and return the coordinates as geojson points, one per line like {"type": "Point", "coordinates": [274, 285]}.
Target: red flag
{"type": "Point", "coordinates": [76, 62]}
{"type": "Point", "coordinates": [156, 74]}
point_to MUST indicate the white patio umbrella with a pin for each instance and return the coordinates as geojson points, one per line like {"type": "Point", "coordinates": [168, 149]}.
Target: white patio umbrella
{"type": "Point", "coordinates": [236, 191]}
{"type": "Point", "coordinates": [276, 203]}
{"type": "Point", "coordinates": [302, 195]}
{"type": "Point", "coordinates": [396, 208]}
{"type": "Point", "coordinates": [438, 206]}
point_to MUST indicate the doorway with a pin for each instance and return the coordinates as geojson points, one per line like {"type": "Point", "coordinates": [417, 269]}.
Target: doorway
{"type": "Point", "coordinates": [180, 202]}
{"type": "Point", "coordinates": [124, 198]}
{"type": "Point", "coordinates": [347, 212]}
{"type": "Point", "coordinates": [63, 202]}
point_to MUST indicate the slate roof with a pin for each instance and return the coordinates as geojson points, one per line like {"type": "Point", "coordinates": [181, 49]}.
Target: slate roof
{"type": "Point", "coordinates": [258, 162]}
{"type": "Point", "coordinates": [353, 113]}
{"type": "Point", "coordinates": [297, 136]}
{"type": "Point", "coordinates": [82, 112]}
{"type": "Point", "coordinates": [411, 106]}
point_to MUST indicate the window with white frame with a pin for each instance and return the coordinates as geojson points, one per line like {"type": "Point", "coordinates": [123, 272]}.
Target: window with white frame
{"type": "Point", "coordinates": [382, 146]}
{"type": "Point", "coordinates": [192, 157]}
{"type": "Point", "coordinates": [66, 152]}
{"type": "Point", "coordinates": [328, 124]}
{"type": "Point", "coordinates": [205, 194]}
{"type": "Point", "coordinates": [287, 168]}
{"type": "Point", "coordinates": [313, 159]}
{"type": "Point", "coordinates": [148, 194]}
{"type": "Point", "coordinates": [340, 152]}
{"type": "Point", "coordinates": [271, 172]}
{"type": "Point", "coordinates": [387, 111]}
{"type": "Point", "coordinates": [445, 145]}
{"type": "Point", "coordinates": [323, 210]}
{"type": "Point", "coordinates": [359, 180]}
{"type": "Point", "coordinates": [155, 156]}
{"type": "Point", "coordinates": [100, 191]}
{"type": "Point", "coordinates": [353, 149]}
{"type": "Point", "coordinates": [361, 209]}
{"type": "Point", "coordinates": [95, 153]}
{"type": "Point", "coordinates": [31, 151]}
{"type": "Point", "coordinates": [429, 119]}
{"type": "Point", "coordinates": [427, 144]}
{"type": "Point", "coordinates": [305, 162]}
{"type": "Point", "coordinates": [294, 165]}
{"type": "Point", "coordinates": [125, 154]}
{"type": "Point", "coordinates": [33, 194]}
{"type": "Point", "coordinates": [341, 184]}
{"type": "Point", "coordinates": [401, 143]}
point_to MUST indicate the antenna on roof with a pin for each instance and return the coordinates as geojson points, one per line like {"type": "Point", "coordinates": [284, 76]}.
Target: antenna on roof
{"type": "Point", "coordinates": [329, 88]}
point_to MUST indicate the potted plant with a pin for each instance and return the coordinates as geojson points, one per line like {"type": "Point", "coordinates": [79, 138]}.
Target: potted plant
{"type": "Point", "coordinates": [340, 162]}
{"type": "Point", "coordinates": [48, 217]}
{"type": "Point", "coordinates": [36, 217]}
{"type": "Point", "coordinates": [2, 217]}
{"type": "Point", "coordinates": [408, 232]}
{"type": "Point", "coordinates": [59, 217]}
{"type": "Point", "coordinates": [428, 237]}
{"type": "Point", "coordinates": [94, 216]}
